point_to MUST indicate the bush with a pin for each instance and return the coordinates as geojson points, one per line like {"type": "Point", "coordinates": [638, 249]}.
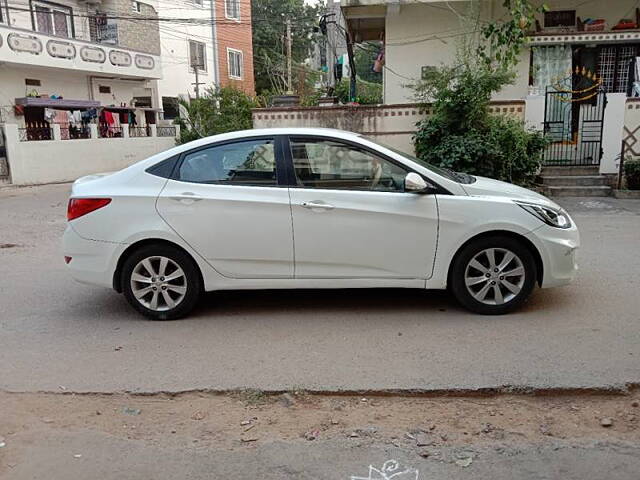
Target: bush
{"type": "Point", "coordinates": [632, 174]}
{"type": "Point", "coordinates": [461, 134]}
{"type": "Point", "coordinates": [217, 111]}
{"type": "Point", "coordinates": [367, 93]}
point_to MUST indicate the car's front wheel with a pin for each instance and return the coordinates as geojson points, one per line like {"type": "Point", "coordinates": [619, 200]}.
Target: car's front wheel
{"type": "Point", "coordinates": [493, 275]}
{"type": "Point", "coordinates": [161, 282]}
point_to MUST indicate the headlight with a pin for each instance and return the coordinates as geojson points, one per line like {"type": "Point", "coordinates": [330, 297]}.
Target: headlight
{"type": "Point", "coordinates": [551, 216]}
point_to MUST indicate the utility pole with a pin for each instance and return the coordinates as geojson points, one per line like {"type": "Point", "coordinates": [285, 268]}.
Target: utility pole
{"type": "Point", "coordinates": [352, 68]}
{"type": "Point", "coordinates": [289, 41]}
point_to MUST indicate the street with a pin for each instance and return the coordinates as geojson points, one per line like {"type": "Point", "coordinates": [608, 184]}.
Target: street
{"type": "Point", "coordinates": [60, 338]}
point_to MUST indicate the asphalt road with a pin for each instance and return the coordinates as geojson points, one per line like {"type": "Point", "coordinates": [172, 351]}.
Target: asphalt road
{"type": "Point", "coordinates": [336, 460]}
{"type": "Point", "coordinates": [59, 335]}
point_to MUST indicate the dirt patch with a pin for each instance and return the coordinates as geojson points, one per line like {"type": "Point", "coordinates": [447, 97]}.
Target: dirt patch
{"type": "Point", "coordinates": [229, 421]}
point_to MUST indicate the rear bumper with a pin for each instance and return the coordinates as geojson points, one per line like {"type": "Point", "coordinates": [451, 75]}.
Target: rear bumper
{"type": "Point", "coordinates": [91, 260]}
{"type": "Point", "coordinates": [558, 248]}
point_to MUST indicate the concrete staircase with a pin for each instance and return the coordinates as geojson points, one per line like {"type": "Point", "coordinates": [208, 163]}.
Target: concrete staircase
{"type": "Point", "coordinates": [579, 181]}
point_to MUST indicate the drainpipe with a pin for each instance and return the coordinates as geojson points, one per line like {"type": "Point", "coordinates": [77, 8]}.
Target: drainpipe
{"type": "Point", "coordinates": [214, 43]}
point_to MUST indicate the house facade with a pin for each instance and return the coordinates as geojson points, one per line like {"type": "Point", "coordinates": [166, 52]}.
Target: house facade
{"type": "Point", "coordinates": [78, 88]}
{"type": "Point", "coordinates": [213, 48]}
{"type": "Point", "coordinates": [576, 80]}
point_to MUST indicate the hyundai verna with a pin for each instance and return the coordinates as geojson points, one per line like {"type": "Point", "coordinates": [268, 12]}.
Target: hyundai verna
{"type": "Point", "coordinates": [310, 208]}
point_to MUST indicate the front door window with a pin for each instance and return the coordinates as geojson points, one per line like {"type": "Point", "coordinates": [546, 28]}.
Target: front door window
{"type": "Point", "coordinates": [330, 164]}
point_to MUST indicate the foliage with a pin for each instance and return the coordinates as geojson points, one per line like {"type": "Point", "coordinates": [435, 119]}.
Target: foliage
{"type": "Point", "coordinates": [269, 45]}
{"type": "Point", "coordinates": [217, 111]}
{"type": "Point", "coordinates": [632, 174]}
{"type": "Point", "coordinates": [460, 134]}
{"type": "Point", "coordinates": [364, 56]}
{"type": "Point", "coordinates": [501, 149]}
{"type": "Point", "coordinates": [505, 40]}
{"type": "Point", "coordinates": [367, 93]}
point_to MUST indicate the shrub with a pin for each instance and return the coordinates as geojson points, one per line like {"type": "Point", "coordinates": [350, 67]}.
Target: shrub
{"type": "Point", "coordinates": [367, 93]}
{"type": "Point", "coordinates": [217, 111]}
{"type": "Point", "coordinates": [461, 134]}
{"type": "Point", "coordinates": [632, 174]}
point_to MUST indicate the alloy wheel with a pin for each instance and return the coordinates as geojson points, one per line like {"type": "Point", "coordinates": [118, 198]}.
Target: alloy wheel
{"type": "Point", "coordinates": [495, 276]}
{"type": "Point", "coordinates": [158, 283]}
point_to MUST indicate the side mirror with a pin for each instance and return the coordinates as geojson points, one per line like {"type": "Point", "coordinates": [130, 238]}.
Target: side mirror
{"type": "Point", "coordinates": [415, 183]}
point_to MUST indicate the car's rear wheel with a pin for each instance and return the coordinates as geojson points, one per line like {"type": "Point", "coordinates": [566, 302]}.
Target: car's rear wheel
{"type": "Point", "coordinates": [161, 282]}
{"type": "Point", "coordinates": [493, 275]}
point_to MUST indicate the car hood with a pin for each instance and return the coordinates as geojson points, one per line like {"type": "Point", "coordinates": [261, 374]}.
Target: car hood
{"type": "Point", "coordinates": [495, 188]}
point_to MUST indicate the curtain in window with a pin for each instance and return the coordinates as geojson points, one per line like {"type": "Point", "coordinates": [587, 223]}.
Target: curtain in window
{"type": "Point", "coordinates": [61, 27]}
{"type": "Point", "coordinates": [43, 20]}
{"type": "Point", "coordinates": [551, 64]}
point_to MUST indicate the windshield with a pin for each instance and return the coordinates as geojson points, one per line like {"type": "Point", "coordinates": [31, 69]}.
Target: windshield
{"type": "Point", "coordinates": [443, 172]}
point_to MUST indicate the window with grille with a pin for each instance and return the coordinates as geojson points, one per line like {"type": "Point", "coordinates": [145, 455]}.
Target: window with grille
{"type": "Point", "coordinates": [232, 9]}
{"type": "Point", "coordinates": [197, 56]}
{"type": "Point", "coordinates": [53, 19]}
{"type": "Point", "coordinates": [235, 63]}
{"type": "Point", "coordinates": [613, 66]}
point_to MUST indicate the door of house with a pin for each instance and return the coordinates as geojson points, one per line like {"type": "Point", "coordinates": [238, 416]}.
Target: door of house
{"type": "Point", "coordinates": [573, 122]}
{"type": "Point", "coordinates": [4, 163]}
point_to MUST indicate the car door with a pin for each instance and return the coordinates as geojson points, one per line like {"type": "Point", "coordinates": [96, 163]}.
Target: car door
{"type": "Point", "coordinates": [352, 217]}
{"type": "Point", "coordinates": [225, 201]}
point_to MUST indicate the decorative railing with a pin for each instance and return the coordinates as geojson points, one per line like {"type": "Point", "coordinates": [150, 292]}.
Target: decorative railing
{"type": "Point", "coordinates": [139, 132]}
{"type": "Point", "coordinates": [166, 131]}
{"type": "Point", "coordinates": [33, 134]}
{"type": "Point", "coordinates": [75, 132]}
{"type": "Point", "coordinates": [108, 131]}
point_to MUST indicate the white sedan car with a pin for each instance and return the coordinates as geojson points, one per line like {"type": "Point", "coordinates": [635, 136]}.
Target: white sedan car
{"type": "Point", "coordinates": [310, 208]}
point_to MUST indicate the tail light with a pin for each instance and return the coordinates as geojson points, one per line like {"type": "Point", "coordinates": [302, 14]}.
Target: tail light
{"type": "Point", "coordinates": [81, 206]}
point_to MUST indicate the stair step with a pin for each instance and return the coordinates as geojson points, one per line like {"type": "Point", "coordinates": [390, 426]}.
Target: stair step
{"type": "Point", "coordinates": [574, 180]}
{"type": "Point", "coordinates": [579, 191]}
{"type": "Point", "coordinates": [577, 170]}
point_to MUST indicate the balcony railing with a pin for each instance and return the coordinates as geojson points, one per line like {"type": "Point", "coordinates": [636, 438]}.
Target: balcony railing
{"type": "Point", "coordinates": [35, 133]}
{"type": "Point", "coordinates": [26, 47]}
{"type": "Point", "coordinates": [166, 131]}
{"type": "Point", "coordinates": [40, 132]}
{"type": "Point", "coordinates": [137, 132]}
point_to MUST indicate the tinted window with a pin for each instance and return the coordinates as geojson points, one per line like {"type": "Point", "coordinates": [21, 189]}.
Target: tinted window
{"type": "Point", "coordinates": [165, 168]}
{"type": "Point", "coordinates": [243, 163]}
{"type": "Point", "coordinates": [334, 165]}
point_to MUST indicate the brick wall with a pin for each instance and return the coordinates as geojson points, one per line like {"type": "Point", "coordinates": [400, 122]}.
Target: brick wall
{"type": "Point", "coordinates": [235, 35]}
{"type": "Point", "coordinates": [142, 35]}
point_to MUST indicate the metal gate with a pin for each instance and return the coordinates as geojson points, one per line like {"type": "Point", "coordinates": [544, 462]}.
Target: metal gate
{"type": "Point", "coordinates": [4, 164]}
{"type": "Point", "coordinates": [573, 126]}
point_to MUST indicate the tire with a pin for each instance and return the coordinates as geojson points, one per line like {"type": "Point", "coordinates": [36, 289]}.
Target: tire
{"type": "Point", "coordinates": [165, 273]}
{"type": "Point", "coordinates": [496, 293]}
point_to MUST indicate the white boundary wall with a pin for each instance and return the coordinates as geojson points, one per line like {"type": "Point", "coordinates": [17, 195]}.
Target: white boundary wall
{"type": "Point", "coordinates": [50, 161]}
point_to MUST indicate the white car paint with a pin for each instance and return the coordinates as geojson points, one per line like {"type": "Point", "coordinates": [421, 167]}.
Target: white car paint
{"type": "Point", "coordinates": [262, 237]}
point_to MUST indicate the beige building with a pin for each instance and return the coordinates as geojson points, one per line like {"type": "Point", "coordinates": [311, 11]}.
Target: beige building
{"type": "Point", "coordinates": [599, 40]}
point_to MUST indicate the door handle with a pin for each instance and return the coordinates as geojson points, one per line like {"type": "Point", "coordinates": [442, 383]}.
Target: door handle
{"type": "Point", "coordinates": [317, 204]}
{"type": "Point", "coordinates": [186, 197]}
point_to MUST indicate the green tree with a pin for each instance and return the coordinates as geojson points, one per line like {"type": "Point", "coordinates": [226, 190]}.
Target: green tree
{"type": "Point", "coordinates": [364, 55]}
{"type": "Point", "coordinates": [269, 44]}
{"type": "Point", "coordinates": [217, 111]}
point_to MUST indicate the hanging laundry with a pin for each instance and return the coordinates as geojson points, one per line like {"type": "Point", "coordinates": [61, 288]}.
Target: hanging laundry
{"type": "Point", "coordinates": [49, 114]}
{"type": "Point", "coordinates": [378, 63]}
{"type": "Point", "coordinates": [62, 119]}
